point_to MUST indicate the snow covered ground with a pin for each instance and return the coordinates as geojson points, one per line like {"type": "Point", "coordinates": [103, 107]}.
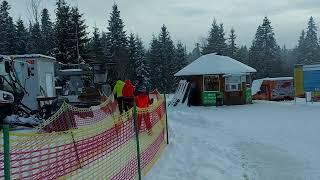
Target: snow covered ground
{"type": "Point", "coordinates": [262, 141]}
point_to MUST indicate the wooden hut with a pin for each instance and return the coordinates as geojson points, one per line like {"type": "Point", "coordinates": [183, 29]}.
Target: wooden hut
{"type": "Point", "coordinates": [218, 80]}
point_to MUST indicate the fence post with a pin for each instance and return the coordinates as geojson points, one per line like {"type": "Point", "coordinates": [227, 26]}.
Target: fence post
{"type": "Point", "coordinates": [165, 109]}
{"type": "Point", "coordinates": [135, 115]}
{"type": "Point", "coordinates": [6, 151]}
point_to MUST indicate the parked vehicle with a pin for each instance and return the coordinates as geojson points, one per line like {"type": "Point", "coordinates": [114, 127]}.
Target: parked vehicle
{"type": "Point", "coordinates": [273, 89]}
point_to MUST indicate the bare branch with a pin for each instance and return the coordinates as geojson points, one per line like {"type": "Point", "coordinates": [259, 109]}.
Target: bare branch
{"type": "Point", "coordinates": [33, 7]}
{"type": "Point", "coordinates": [203, 41]}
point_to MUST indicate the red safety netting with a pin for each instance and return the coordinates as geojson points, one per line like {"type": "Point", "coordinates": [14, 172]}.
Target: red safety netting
{"type": "Point", "coordinates": [68, 117]}
{"type": "Point", "coordinates": [99, 145]}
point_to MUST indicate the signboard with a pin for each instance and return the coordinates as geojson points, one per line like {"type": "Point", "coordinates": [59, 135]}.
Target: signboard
{"type": "Point", "coordinates": [282, 89]}
{"type": "Point", "coordinates": [311, 80]}
{"type": "Point", "coordinates": [209, 98]}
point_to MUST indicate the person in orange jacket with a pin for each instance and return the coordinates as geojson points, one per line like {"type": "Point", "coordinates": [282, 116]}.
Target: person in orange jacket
{"type": "Point", "coordinates": [143, 101]}
{"type": "Point", "coordinates": [128, 95]}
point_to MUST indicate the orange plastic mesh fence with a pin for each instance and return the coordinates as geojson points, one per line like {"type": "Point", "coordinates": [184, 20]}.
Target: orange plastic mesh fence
{"type": "Point", "coordinates": [96, 143]}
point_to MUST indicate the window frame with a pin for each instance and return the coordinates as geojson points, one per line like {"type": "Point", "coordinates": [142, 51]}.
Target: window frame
{"type": "Point", "coordinates": [212, 76]}
{"type": "Point", "coordinates": [236, 80]}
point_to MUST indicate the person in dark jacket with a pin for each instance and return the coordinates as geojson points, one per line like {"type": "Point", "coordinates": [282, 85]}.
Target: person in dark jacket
{"type": "Point", "coordinates": [128, 95]}
{"type": "Point", "coordinates": [192, 93]}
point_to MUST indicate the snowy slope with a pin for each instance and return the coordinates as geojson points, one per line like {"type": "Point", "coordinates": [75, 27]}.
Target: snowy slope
{"type": "Point", "coordinates": [265, 140]}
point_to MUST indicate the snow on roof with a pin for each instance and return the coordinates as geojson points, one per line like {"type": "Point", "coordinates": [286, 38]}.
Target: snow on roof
{"type": "Point", "coordinates": [278, 78]}
{"type": "Point", "coordinates": [71, 70]}
{"type": "Point", "coordinates": [214, 64]}
{"type": "Point", "coordinates": [315, 67]}
{"type": "Point", "coordinates": [4, 56]}
{"type": "Point", "coordinates": [33, 56]}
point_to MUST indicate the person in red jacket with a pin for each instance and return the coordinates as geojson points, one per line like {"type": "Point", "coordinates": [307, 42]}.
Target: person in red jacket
{"type": "Point", "coordinates": [143, 101]}
{"type": "Point", "coordinates": [128, 95]}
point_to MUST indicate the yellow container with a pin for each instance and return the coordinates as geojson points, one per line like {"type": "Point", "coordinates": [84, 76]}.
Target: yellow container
{"type": "Point", "coordinates": [298, 81]}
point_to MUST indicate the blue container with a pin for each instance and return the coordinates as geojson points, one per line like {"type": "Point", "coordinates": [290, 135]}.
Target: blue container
{"type": "Point", "coordinates": [311, 80]}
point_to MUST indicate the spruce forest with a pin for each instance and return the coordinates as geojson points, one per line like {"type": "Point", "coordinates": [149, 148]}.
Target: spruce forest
{"type": "Point", "coordinates": [68, 39]}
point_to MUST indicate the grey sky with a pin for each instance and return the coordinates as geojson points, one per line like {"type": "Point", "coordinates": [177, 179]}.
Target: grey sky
{"type": "Point", "coordinates": [189, 20]}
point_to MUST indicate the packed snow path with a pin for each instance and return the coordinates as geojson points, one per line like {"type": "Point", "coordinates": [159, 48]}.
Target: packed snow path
{"type": "Point", "coordinates": [262, 141]}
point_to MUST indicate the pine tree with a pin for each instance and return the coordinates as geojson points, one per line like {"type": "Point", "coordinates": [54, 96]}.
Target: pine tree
{"type": "Point", "coordinates": [301, 49]}
{"type": "Point", "coordinates": [180, 57]}
{"type": "Point", "coordinates": [7, 30]}
{"type": "Point", "coordinates": [242, 55]}
{"type": "Point", "coordinates": [232, 44]}
{"type": "Point", "coordinates": [104, 43]}
{"type": "Point", "coordinates": [22, 37]}
{"type": "Point", "coordinates": [62, 30]}
{"type": "Point", "coordinates": [167, 53]}
{"type": "Point", "coordinates": [222, 45]}
{"type": "Point", "coordinates": [180, 61]}
{"type": "Point", "coordinates": [308, 49]}
{"type": "Point", "coordinates": [117, 50]}
{"type": "Point", "coordinates": [287, 62]}
{"type": "Point", "coordinates": [311, 43]}
{"type": "Point", "coordinates": [265, 53]}
{"type": "Point", "coordinates": [154, 63]}
{"type": "Point", "coordinates": [141, 65]}
{"type": "Point", "coordinates": [195, 54]}
{"type": "Point", "coordinates": [132, 53]}
{"type": "Point", "coordinates": [47, 33]}
{"type": "Point", "coordinates": [96, 53]}
{"type": "Point", "coordinates": [216, 41]}
{"type": "Point", "coordinates": [78, 39]}
{"type": "Point", "coordinates": [35, 39]}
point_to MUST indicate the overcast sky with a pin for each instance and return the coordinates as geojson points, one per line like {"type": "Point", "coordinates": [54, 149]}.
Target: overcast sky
{"type": "Point", "coordinates": [189, 20]}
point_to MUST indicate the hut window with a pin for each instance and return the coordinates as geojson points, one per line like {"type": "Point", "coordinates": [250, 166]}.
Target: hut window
{"type": "Point", "coordinates": [211, 83]}
{"type": "Point", "coordinates": [233, 83]}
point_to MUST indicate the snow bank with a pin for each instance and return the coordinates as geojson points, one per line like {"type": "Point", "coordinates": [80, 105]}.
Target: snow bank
{"type": "Point", "coordinates": [15, 119]}
{"type": "Point", "coordinates": [242, 142]}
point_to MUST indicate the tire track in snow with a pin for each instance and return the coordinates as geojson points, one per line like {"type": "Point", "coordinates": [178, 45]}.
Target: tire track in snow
{"type": "Point", "coordinates": [269, 162]}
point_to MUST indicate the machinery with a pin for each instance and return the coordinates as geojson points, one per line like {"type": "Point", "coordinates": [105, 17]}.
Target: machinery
{"type": "Point", "coordinates": [8, 89]}
{"type": "Point", "coordinates": [11, 95]}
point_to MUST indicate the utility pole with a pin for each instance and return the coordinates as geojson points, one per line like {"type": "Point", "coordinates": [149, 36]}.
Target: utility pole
{"type": "Point", "coordinates": [78, 51]}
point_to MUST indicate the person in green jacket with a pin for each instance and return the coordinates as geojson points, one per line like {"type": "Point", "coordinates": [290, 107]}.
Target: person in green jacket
{"type": "Point", "coordinates": [117, 90]}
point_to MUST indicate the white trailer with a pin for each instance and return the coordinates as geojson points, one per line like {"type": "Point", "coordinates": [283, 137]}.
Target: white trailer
{"type": "Point", "coordinates": [36, 75]}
